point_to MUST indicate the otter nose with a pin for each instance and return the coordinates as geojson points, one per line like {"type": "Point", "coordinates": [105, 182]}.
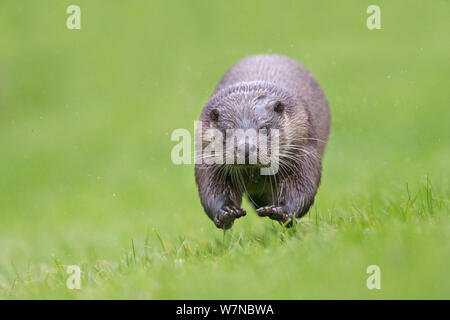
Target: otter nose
{"type": "Point", "coordinates": [247, 149]}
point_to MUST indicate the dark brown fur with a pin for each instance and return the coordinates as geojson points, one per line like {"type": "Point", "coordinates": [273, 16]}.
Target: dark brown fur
{"type": "Point", "coordinates": [247, 97]}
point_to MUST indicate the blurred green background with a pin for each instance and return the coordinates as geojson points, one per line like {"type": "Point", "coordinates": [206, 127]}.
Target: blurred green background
{"type": "Point", "coordinates": [86, 176]}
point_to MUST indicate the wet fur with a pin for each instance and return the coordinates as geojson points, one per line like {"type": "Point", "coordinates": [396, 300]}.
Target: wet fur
{"type": "Point", "coordinates": [304, 128]}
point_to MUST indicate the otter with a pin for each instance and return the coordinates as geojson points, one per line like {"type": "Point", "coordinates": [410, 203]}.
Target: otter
{"type": "Point", "coordinates": [265, 92]}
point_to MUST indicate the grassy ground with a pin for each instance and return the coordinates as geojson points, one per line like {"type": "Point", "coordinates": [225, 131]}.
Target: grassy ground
{"type": "Point", "coordinates": [85, 171]}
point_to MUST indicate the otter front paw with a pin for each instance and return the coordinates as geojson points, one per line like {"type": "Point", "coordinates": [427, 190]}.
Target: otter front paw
{"type": "Point", "coordinates": [276, 213]}
{"type": "Point", "coordinates": [226, 216]}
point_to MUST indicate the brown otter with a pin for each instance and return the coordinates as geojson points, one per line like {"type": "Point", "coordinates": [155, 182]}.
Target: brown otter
{"type": "Point", "coordinates": [266, 92]}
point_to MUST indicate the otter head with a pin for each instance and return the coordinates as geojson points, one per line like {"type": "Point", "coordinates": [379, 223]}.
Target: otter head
{"type": "Point", "coordinates": [249, 116]}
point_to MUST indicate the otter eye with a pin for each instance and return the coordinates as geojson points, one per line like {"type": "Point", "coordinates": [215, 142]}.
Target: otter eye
{"type": "Point", "coordinates": [214, 115]}
{"type": "Point", "coordinates": [279, 107]}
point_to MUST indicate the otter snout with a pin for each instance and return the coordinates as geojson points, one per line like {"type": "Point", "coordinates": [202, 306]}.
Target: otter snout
{"type": "Point", "coordinates": [246, 151]}
{"type": "Point", "coordinates": [247, 148]}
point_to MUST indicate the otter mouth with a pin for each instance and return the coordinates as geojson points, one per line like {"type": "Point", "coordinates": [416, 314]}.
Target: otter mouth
{"type": "Point", "coordinates": [249, 165]}
{"type": "Point", "coordinates": [235, 165]}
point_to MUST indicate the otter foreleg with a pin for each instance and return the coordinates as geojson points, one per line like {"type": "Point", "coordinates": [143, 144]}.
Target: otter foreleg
{"type": "Point", "coordinates": [295, 194]}
{"type": "Point", "coordinates": [220, 199]}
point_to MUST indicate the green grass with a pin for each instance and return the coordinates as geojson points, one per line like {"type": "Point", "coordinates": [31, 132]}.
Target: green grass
{"type": "Point", "coordinates": [85, 171]}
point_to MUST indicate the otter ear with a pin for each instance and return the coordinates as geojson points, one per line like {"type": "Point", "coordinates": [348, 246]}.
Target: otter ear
{"type": "Point", "coordinates": [214, 115]}
{"type": "Point", "coordinates": [278, 107]}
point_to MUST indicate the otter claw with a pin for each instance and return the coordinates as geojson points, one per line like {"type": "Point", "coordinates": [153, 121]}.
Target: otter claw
{"type": "Point", "coordinates": [276, 213]}
{"type": "Point", "coordinates": [227, 215]}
